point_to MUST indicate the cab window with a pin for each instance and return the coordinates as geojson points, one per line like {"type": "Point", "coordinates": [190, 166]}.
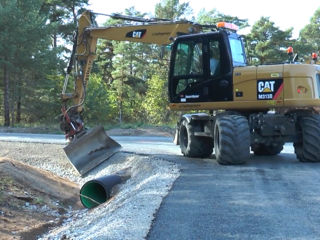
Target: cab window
{"type": "Point", "coordinates": [238, 55]}
{"type": "Point", "coordinates": [189, 59]}
{"type": "Point", "coordinates": [214, 58]}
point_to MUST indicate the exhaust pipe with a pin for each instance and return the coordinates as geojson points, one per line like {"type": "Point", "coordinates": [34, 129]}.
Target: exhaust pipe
{"type": "Point", "coordinates": [98, 191]}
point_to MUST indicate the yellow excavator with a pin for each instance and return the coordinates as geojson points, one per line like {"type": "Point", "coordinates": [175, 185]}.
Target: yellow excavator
{"type": "Point", "coordinates": [247, 107]}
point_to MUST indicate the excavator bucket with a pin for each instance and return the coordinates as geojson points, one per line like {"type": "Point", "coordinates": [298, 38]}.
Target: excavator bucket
{"type": "Point", "coordinates": [91, 149]}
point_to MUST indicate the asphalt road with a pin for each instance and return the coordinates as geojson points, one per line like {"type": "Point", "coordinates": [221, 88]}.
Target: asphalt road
{"type": "Point", "coordinates": [268, 198]}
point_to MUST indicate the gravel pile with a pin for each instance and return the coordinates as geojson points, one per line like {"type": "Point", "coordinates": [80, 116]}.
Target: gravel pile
{"type": "Point", "coordinates": [128, 215]}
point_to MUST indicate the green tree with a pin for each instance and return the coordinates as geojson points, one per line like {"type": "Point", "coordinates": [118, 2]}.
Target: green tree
{"type": "Point", "coordinates": [156, 100]}
{"type": "Point", "coordinates": [7, 10]}
{"type": "Point", "coordinates": [104, 61]}
{"type": "Point", "coordinates": [24, 39]}
{"type": "Point", "coordinates": [130, 74]}
{"type": "Point", "coordinates": [62, 15]}
{"type": "Point", "coordinates": [172, 9]}
{"type": "Point", "coordinates": [30, 63]}
{"type": "Point", "coordinates": [213, 16]}
{"type": "Point", "coordinates": [266, 43]}
{"type": "Point", "coordinates": [309, 38]}
{"type": "Point", "coordinates": [98, 104]}
{"type": "Point", "coordinates": [124, 68]}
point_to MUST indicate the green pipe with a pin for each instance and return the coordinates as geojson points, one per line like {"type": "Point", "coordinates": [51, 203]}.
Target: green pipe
{"type": "Point", "coordinates": [97, 191]}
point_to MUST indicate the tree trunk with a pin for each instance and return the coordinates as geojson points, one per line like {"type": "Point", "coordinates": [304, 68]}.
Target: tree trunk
{"type": "Point", "coordinates": [120, 112]}
{"type": "Point", "coordinates": [54, 37]}
{"type": "Point", "coordinates": [6, 96]}
{"type": "Point", "coordinates": [73, 9]}
{"type": "Point", "coordinates": [54, 40]}
{"type": "Point", "coordinates": [18, 117]}
{"type": "Point", "coordinates": [18, 98]}
{"type": "Point", "coordinates": [12, 101]}
{"type": "Point", "coordinates": [12, 115]}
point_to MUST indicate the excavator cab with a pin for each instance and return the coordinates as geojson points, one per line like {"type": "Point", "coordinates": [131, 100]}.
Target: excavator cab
{"type": "Point", "coordinates": [201, 67]}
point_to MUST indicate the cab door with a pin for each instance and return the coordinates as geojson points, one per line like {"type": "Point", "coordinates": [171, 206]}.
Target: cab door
{"type": "Point", "coordinates": [200, 69]}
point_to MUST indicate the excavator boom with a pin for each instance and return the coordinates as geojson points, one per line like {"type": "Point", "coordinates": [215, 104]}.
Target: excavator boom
{"type": "Point", "coordinates": [87, 149]}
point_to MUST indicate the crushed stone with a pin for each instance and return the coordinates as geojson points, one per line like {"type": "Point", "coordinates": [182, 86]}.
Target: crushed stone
{"type": "Point", "coordinates": [128, 215]}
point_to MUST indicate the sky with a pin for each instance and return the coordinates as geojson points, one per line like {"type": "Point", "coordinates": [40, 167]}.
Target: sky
{"type": "Point", "coordinates": [284, 13]}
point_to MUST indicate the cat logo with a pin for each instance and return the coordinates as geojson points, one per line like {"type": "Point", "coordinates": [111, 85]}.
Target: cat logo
{"type": "Point", "coordinates": [136, 34]}
{"type": "Point", "coordinates": [266, 86]}
{"type": "Point", "coordinates": [269, 89]}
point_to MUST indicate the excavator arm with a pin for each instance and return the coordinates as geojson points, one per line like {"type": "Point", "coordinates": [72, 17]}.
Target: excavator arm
{"type": "Point", "coordinates": [160, 33]}
{"type": "Point", "coordinates": [88, 149]}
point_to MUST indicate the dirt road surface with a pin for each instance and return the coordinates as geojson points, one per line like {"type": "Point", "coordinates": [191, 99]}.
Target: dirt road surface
{"type": "Point", "coordinates": [32, 200]}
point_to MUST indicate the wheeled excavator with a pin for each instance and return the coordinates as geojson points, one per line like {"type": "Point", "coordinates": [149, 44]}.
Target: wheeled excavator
{"type": "Point", "coordinates": [245, 107]}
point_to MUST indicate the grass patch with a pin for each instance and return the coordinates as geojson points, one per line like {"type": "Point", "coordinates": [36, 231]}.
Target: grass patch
{"type": "Point", "coordinates": [39, 201]}
{"type": "Point", "coordinates": [5, 183]}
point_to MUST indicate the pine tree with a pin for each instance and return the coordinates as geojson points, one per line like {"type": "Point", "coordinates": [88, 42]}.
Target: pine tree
{"type": "Point", "coordinates": [172, 9]}
{"type": "Point", "coordinates": [309, 38]}
{"type": "Point", "coordinates": [212, 17]}
{"type": "Point", "coordinates": [27, 61]}
{"type": "Point", "coordinates": [266, 42]}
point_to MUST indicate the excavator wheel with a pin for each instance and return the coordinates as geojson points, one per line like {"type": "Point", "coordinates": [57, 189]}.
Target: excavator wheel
{"type": "Point", "coordinates": [308, 149]}
{"type": "Point", "coordinates": [232, 139]}
{"type": "Point", "coordinates": [267, 150]}
{"type": "Point", "coordinates": [194, 146]}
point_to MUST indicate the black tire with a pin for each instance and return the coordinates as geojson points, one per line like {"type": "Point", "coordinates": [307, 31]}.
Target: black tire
{"type": "Point", "coordinates": [267, 150]}
{"type": "Point", "coordinates": [232, 140]}
{"type": "Point", "coordinates": [308, 150]}
{"type": "Point", "coordinates": [194, 146]}
{"type": "Point", "coordinates": [298, 151]}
